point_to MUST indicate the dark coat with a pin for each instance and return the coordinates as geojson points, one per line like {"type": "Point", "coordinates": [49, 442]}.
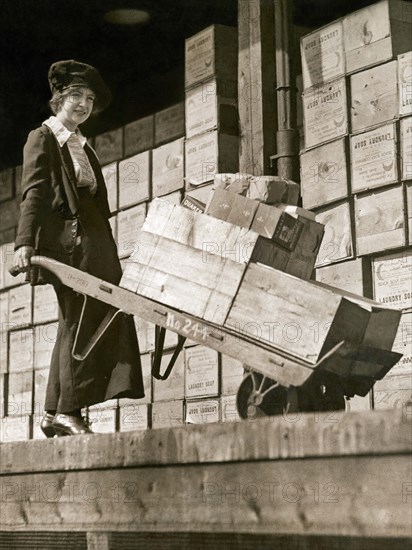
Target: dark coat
{"type": "Point", "coordinates": [54, 212]}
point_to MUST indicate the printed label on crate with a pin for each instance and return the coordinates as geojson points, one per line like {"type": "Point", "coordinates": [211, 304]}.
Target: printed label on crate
{"type": "Point", "coordinates": [103, 419]}
{"type": "Point", "coordinates": [406, 148]}
{"type": "Point", "coordinates": [403, 345]}
{"type": "Point", "coordinates": [20, 393]}
{"type": "Point", "coordinates": [373, 158]}
{"type": "Point", "coordinates": [379, 220]}
{"type": "Point", "coordinates": [20, 302]}
{"type": "Point", "coordinates": [325, 112]}
{"type": "Point", "coordinates": [45, 337]}
{"type": "Point", "coordinates": [201, 372]}
{"type": "Point", "coordinates": [45, 305]}
{"type": "Point", "coordinates": [21, 350]}
{"type": "Point", "coordinates": [168, 168]}
{"type": "Point", "coordinates": [337, 240]}
{"type": "Point", "coordinates": [405, 83]}
{"type": "Point", "coordinates": [392, 276]}
{"type": "Point", "coordinates": [110, 177]}
{"type": "Point", "coordinates": [134, 179]}
{"type": "Point", "coordinates": [139, 135]}
{"type": "Point", "coordinates": [134, 417]}
{"type": "Point", "coordinates": [167, 414]}
{"type": "Point", "coordinates": [174, 386]}
{"type": "Point", "coordinates": [15, 428]}
{"type": "Point", "coordinates": [228, 409]}
{"type": "Point", "coordinates": [129, 222]}
{"type": "Point", "coordinates": [322, 54]}
{"type": "Point", "coordinates": [202, 412]}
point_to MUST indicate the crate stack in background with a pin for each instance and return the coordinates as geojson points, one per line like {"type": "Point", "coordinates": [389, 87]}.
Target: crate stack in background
{"type": "Point", "coordinates": [356, 165]}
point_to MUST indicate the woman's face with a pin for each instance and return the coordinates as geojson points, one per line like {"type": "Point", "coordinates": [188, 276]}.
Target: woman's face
{"type": "Point", "coordinates": [76, 108]}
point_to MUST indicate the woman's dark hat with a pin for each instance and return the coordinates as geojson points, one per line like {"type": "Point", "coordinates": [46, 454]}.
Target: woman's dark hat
{"type": "Point", "coordinates": [63, 74]}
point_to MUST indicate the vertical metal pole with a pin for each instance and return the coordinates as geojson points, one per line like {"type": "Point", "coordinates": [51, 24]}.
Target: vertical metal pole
{"type": "Point", "coordinates": [287, 137]}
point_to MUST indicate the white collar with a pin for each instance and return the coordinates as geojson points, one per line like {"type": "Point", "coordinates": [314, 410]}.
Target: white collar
{"type": "Point", "coordinates": [61, 132]}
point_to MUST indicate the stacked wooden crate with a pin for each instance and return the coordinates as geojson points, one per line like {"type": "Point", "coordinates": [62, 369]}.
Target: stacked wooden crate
{"type": "Point", "coordinates": [355, 168]}
{"type": "Point", "coordinates": [212, 142]}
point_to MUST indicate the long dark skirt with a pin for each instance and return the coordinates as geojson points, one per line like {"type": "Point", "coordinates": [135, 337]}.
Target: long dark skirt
{"type": "Point", "coordinates": [113, 369]}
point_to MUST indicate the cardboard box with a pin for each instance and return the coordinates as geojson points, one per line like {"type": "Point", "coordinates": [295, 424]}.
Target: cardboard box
{"type": "Point", "coordinates": [354, 276]}
{"type": "Point", "coordinates": [202, 412]}
{"type": "Point", "coordinates": [202, 372]}
{"type": "Point", "coordinates": [322, 55]}
{"type": "Point", "coordinates": [379, 220]}
{"type": "Point", "coordinates": [174, 386]}
{"type": "Point", "coordinates": [406, 148]}
{"type": "Point", "coordinates": [170, 124]}
{"type": "Point", "coordinates": [274, 224]}
{"type": "Point", "coordinates": [129, 223]}
{"type": "Point", "coordinates": [325, 113]}
{"type": "Point", "coordinates": [212, 105]}
{"type": "Point", "coordinates": [232, 375]}
{"type": "Point", "coordinates": [133, 417]}
{"type": "Point", "coordinates": [109, 146]}
{"type": "Point", "coordinates": [134, 179]}
{"type": "Point", "coordinates": [21, 344]}
{"type": "Point", "coordinates": [168, 168]}
{"type": "Point", "coordinates": [15, 428]}
{"type": "Point", "coordinates": [6, 184]}
{"type": "Point", "coordinates": [273, 190]}
{"type": "Point", "coordinates": [338, 241]}
{"type": "Point", "coordinates": [391, 276]}
{"type": "Point", "coordinates": [203, 193]}
{"type": "Point", "coordinates": [20, 306]}
{"type": "Point", "coordinates": [376, 34]}
{"type": "Point", "coordinates": [324, 174]}
{"type": "Point", "coordinates": [20, 393]}
{"type": "Point", "coordinates": [228, 409]}
{"type": "Point", "coordinates": [45, 305]}
{"type": "Point", "coordinates": [193, 204]}
{"type": "Point", "coordinates": [405, 83]}
{"type": "Point", "coordinates": [211, 52]}
{"type": "Point", "coordinates": [139, 136]}
{"type": "Point", "coordinates": [208, 154]}
{"type": "Point", "coordinates": [374, 158]}
{"type": "Point", "coordinates": [167, 414]}
{"type": "Point", "coordinates": [110, 177]}
{"type": "Point", "coordinates": [45, 337]}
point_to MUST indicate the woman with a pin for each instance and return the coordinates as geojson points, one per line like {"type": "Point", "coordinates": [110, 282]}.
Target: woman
{"type": "Point", "coordinates": [64, 215]}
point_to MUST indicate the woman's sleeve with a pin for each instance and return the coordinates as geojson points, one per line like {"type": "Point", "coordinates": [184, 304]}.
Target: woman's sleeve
{"type": "Point", "coordinates": [35, 188]}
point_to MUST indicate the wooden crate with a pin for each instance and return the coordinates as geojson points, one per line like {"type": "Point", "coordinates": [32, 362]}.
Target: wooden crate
{"type": "Point", "coordinates": [228, 409]}
{"type": "Point", "coordinates": [174, 387]}
{"type": "Point", "coordinates": [325, 112]}
{"type": "Point", "coordinates": [379, 220]}
{"type": "Point", "coordinates": [209, 154]}
{"type": "Point", "coordinates": [167, 414]}
{"type": "Point", "coordinates": [168, 168]}
{"type": "Point", "coordinates": [9, 214]}
{"type": "Point", "coordinates": [110, 174]}
{"type": "Point", "coordinates": [211, 52]}
{"type": "Point", "coordinates": [202, 411]}
{"type": "Point", "coordinates": [44, 340]}
{"type": "Point", "coordinates": [201, 372]}
{"type": "Point", "coordinates": [303, 318]}
{"type": "Point", "coordinates": [103, 418]}
{"type": "Point", "coordinates": [376, 34]}
{"type": "Point", "coordinates": [15, 428]}
{"type": "Point", "coordinates": [109, 146]}
{"type": "Point", "coordinates": [391, 276]}
{"type": "Point", "coordinates": [212, 105]}
{"type": "Point", "coordinates": [409, 211]}
{"type": "Point", "coordinates": [139, 136]}
{"type": "Point", "coordinates": [405, 83]}
{"type": "Point", "coordinates": [374, 158]}
{"type": "Point", "coordinates": [20, 393]}
{"type": "Point", "coordinates": [403, 344]}
{"type": "Point", "coordinates": [324, 174]}
{"type": "Point", "coordinates": [21, 347]}
{"type": "Point", "coordinates": [45, 305]}
{"type": "Point", "coordinates": [353, 276]}
{"type": "Point", "coordinates": [128, 224]}
{"type": "Point", "coordinates": [299, 112]}
{"type": "Point", "coordinates": [169, 124]}
{"type": "Point", "coordinates": [232, 375]}
{"type": "Point", "coordinates": [322, 55]}
{"type": "Point", "coordinates": [134, 417]}
{"type": "Point", "coordinates": [134, 179]}
{"type": "Point", "coordinates": [374, 96]}
{"type": "Point", "coordinates": [337, 242]}
{"type": "Point", "coordinates": [6, 184]}
{"type": "Point", "coordinates": [20, 306]}
{"type": "Point", "coordinates": [4, 352]}
{"type": "Point", "coordinates": [392, 399]}
{"type": "Point", "coordinates": [41, 377]}
{"type": "Point", "coordinates": [406, 148]}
